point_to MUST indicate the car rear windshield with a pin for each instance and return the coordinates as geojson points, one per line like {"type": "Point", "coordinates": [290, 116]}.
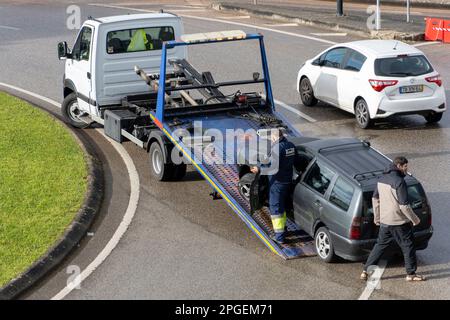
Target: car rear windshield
{"type": "Point", "coordinates": [416, 199]}
{"type": "Point", "coordinates": [402, 66]}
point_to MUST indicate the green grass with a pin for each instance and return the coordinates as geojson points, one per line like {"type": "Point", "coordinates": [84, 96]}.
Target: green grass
{"type": "Point", "coordinates": [43, 180]}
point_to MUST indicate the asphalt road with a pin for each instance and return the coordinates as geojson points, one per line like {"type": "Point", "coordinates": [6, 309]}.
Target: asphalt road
{"type": "Point", "coordinates": [181, 244]}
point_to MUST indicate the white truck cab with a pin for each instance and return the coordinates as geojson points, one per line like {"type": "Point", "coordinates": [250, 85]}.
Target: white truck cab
{"type": "Point", "coordinates": [99, 70]}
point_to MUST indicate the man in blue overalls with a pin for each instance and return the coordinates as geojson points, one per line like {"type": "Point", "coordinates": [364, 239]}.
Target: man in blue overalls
{"type": "Point", "coordinates": [282, 158]}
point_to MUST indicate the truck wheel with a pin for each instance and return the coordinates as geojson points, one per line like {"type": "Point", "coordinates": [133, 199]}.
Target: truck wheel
{"type": "Point", "coordinates": [69, 110]}
{"type": "Point", "coordinates": [324, 245]}
{"type": "Point", "coordinates": [245, 184]}
{"type": "Point", "coordinates": [362, 114]}
{"type": "Point", "coordinates": [307, 93]}
{"type": "Point", "coordinates": [433, 117]}
{"type": "Point", "coordinates": [158, 168]}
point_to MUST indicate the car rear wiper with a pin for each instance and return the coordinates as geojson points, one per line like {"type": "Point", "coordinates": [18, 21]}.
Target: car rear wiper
{"type": "Point", "coordinates": [402, 73]}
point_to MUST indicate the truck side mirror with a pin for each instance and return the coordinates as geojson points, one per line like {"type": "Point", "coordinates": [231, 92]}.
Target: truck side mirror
{"type": "Point", "coordinates": [63, 51]}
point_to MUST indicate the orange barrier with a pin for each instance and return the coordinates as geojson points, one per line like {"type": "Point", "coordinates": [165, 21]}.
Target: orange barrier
{"type": "Point", "coordinates": [434, 29]}
{"type": "Point", "coordinates": [446, 27]}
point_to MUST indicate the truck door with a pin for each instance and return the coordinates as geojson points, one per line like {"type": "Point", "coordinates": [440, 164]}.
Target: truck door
{"type": "Point", "coordinates": [309, 195]}
{"type": "Point", "coordinates": [78, 69]}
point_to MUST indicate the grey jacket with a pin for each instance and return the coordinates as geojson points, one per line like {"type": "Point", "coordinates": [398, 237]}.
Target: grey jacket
{"type": "Point", "coordinates": [390, 200]}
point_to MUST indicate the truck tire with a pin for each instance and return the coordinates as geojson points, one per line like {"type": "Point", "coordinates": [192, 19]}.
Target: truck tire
{"type": "Point", "coordinates": [324, 245]}
{"type": "Point", "coordinates": [307, 93]}
{"type": "Point", "coordinates": [244, 185]}
{"type": "Point", "coordinates": [69, 110]}
{"type": "Point", "coordinates": [158, 167]}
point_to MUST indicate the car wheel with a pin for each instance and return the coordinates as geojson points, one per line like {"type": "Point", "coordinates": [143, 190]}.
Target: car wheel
{"type": "Point", "coordinates": [324, 245]}
{"type": "Point", "coordinates": [307, 93]}
{"type": "Point", "coordinates": [158, 168]}
{"type": "Point", "coordinates": [433, 117]}
{"type": "Point", "coordinates": [362, 114]}
{"type": "Point", "coordinates": [245, 184]}
{"type": "Point", "coordinates": [71, 111]}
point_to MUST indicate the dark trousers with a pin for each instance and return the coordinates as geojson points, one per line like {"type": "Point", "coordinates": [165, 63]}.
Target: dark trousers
{"type": "Point", "coordinates": [278, 201]}
{"type": "Point", "coordinates": [403, 235]}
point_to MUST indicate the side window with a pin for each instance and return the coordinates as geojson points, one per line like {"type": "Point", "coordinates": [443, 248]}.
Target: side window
{"type": "Point", "coordinates": [302, 160]}
{"type": "Point", "coordinates": [82, 47]}
{"type": "Point", "coordinates": [355, 61]}
{"type": "Point", "coordinates": [335, 57]}
{"type": "Point", "coordinates": [342, 194]}
{"type": "Point", "coordinates": [135, 40]}
{"type": "Point", "coordinates": [319, 177]}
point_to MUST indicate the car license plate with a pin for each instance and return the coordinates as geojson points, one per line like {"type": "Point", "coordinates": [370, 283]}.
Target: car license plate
{"type": "Point", "coordinates": [411, 89]}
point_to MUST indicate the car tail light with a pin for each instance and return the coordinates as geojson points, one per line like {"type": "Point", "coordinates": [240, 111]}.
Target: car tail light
{"type": "Point", "coordinates": [379, 85]}
{"type": "Point", "coordinates": [355, 230]}
{"type": "Point", "coordinates": [430, 219]}
{"type": "Point", "coordinates": [435, 79]}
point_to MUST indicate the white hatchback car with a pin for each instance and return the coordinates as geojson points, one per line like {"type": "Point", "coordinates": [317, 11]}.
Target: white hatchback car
{"type": "Point", "coordinates": [373, 79]}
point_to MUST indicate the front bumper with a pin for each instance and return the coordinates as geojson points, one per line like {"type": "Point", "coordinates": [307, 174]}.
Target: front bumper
{"type": "Point", "coordinates": [358, 250]}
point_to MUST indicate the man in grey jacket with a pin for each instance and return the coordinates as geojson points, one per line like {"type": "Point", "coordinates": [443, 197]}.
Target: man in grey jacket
{"type": "Point", "coordinates": [395, 217]}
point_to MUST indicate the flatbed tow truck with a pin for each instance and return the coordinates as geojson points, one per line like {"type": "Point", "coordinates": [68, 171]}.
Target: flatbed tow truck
{"type": "Point", "coordinates": [162, 122]}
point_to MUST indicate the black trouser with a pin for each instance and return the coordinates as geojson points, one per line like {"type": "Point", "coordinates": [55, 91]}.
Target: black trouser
{"type": "Point", "coordinates": [404, 237]}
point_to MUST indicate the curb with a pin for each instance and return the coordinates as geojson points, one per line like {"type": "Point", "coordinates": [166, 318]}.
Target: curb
{"type": "Point", "coordinates": [74, 233]}
{"type": "Point", "coordinates": [385, 34]}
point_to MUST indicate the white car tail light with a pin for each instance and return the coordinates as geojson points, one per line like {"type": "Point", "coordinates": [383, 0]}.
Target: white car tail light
{"type": "Point", "coordinates": [435, 79]}
{"type": "Point", "coordinates": [379, 85]}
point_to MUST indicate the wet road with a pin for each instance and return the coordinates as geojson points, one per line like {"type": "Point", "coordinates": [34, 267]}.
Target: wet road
{"type": "Point", "coordinates": [181, 244]}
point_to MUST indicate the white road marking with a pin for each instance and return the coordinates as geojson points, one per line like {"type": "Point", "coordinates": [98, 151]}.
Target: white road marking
{"type": "Point", "coordinates": [124, 224]}
{"type": "Point", "coordinates": [9, 28]}
{"type": "Point", "coordinates": [281, 24]}
{"type": "Point", "coordinates": [292, 109]}
{"type": "Point", "coordinates": [235, 17]}
{"type": "Point", "coordinates": [324, 34]}
{"type": "Point", "coordinates": [422, 44]}
{"type": "Point", "coordinates": [374, 281]}
{"type": "Point", "coordinates": [224, 21]}
{"type": "Point", "coordinates": [129, 213]}
{"type": "Point", "coordinates": [184, 10]}
{"type": "Point", "coordinates": [34, 95]}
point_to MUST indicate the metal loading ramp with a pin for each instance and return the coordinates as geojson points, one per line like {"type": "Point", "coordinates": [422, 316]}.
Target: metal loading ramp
{"type": "Point", "coordinates": [299, 243]}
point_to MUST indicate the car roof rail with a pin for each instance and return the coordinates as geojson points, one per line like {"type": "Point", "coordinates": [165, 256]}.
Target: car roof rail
{"type": "Point", "coordinates": [367, 175]}
{"type": "Point", "coordinates": [366, 143]}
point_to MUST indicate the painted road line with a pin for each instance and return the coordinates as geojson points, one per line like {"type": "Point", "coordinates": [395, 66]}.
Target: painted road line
{"type": "Point", "coordinates": [34, 95]}
{"type": "Point", "coordinates": [223, 21]}
{"type": "Point", "coordinates": [422, 44]}
{"type": "Point", "coordinates": [281, 24]}
{"type": "Point", "coordinates": [236, 17]}
{"type": "Point", "coordinates": [9, 28]}
{"type": "Point", "coordinates": [120, 231]}
{"type": "Point", "coordinates": [374, 281]}
{"type": "Point", "coordinates": [129, 213]}
{"type": "Point", "coordinates": [294, 110]}
{"type": "Point", "coordinates": [324, 34]}
{"type": "Point", "coordinates": [185, 10]}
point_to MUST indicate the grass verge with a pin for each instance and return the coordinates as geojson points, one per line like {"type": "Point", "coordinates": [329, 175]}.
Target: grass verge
{"type": "Point", "coordinates": [43, 180]}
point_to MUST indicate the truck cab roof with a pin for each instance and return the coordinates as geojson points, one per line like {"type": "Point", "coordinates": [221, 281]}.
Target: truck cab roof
{"type": "Point", "coordinates": [131, 18]}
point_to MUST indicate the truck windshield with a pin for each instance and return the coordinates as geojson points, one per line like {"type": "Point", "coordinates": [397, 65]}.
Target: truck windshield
{"type": "Point", "coordinates": [135, 40]}
{"type": "Point", "coordinates": [402, 66]}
